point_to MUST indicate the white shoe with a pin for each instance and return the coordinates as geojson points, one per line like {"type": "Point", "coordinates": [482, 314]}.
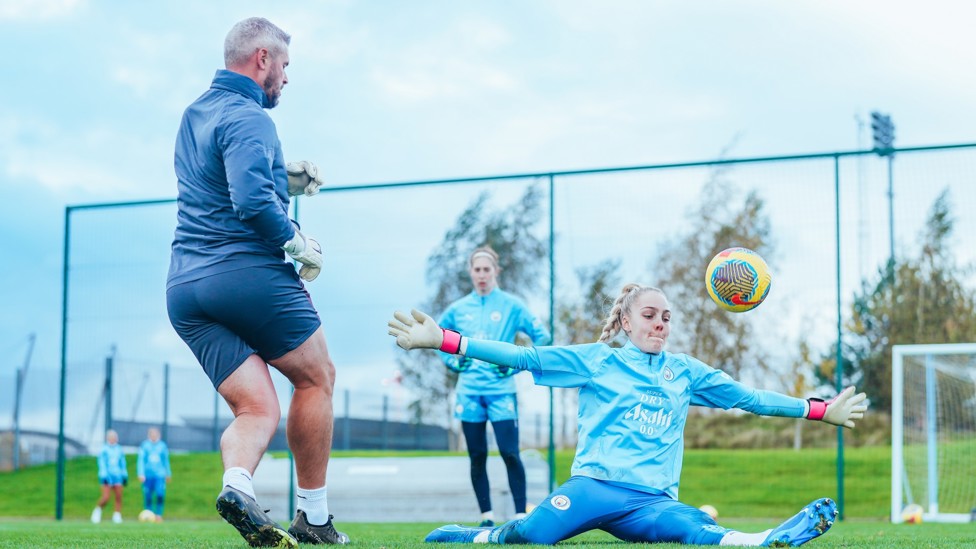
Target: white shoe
{"type": "Point", "coordinates": [96, 516]}
{"type": "Point", "coordinates": [117, 517]}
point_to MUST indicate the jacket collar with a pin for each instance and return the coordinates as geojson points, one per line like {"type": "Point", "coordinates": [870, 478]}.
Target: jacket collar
{"type": "Point", "coordinates": [632, 352]}
{"type": "Point", "coordinates": [238, 83]}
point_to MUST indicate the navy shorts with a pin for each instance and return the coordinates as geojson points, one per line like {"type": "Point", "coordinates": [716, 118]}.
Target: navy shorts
{"type": "Point", "coordinates": [227, 317]}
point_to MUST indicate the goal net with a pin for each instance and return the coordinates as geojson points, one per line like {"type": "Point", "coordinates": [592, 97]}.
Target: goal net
{"type": "Point", "coordinates": [933, 431]}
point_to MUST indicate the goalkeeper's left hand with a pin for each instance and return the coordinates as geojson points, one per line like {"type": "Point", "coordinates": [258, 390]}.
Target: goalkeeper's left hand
{"type": "Point", "coordinates": [303, 178]}
{"type": "Point", "coordinates": [842, 410]}
{"type": "Point", "coordinates": [458, 364]}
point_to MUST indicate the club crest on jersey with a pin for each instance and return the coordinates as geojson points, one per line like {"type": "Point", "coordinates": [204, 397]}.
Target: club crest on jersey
{"type": "Point", "coordinates": [668, 374]}
{"type": "Point", "coordinates": [496, 316]}
{"type": "Point", "coordinates": [560, 502]}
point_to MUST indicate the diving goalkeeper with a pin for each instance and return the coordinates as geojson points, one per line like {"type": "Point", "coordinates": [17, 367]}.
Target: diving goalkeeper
{"type": "Point", "coordinates": [633, 402]}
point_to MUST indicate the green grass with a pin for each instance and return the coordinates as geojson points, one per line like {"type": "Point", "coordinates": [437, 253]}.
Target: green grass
{"type": "Point", "coordinates": [740, 483]}
{"type": "Point", "coordinates": [765, 486]}
{"type": "Point", "coordinates": [213, 533]}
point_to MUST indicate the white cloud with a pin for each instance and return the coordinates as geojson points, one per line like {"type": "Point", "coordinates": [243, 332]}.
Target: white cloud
{"type": "Point", "coordinates": [20, 10]}
{"type": "Point", "coordinates": [101, 161]}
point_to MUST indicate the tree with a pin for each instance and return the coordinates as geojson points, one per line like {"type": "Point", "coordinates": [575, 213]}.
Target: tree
{"type": "Point", "coordinates": [512, 232]}
{"type": "Point", "coordinates": [916, 300]}
{"type": "Point", "coordinates": [721, 339]}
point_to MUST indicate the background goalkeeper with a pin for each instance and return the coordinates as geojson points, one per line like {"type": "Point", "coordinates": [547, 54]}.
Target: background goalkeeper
{"type": "Point", "coordinates": [485, 391]}
{"type": "Point", "coordinates": [633, 402]}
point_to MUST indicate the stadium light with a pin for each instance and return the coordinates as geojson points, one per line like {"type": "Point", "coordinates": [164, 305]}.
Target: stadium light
{"type": "Point", "coordinates": [883, 132]}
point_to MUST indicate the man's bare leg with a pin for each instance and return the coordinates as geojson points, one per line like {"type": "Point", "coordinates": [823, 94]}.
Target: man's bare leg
{"type": "Point", "coordinates": [309, 430]}
{"type": "Point", "coordinates": [250, 394]}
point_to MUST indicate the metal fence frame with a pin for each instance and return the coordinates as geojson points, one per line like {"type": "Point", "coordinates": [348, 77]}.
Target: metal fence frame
{"type": "Point", "coordinates": [551, 177]}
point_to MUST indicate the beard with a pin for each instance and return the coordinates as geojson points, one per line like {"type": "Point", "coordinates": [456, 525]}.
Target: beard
{"type": "Point", "coordinates": [273, 93]}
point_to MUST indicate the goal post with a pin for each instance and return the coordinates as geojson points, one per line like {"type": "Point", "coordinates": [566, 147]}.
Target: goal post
{"type": "Point", "coordinates": [933, 431]}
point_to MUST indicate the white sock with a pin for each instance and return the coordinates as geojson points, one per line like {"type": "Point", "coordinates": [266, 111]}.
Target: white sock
{"type": "Point", "coordinates": [239, 478]}
{"type": "Point", "coordinates": [488, 515]}
{"type": "Point", "coordinates": [519, 516]}
{"type": "Point", "coordinates": [315, 504]}
{"type": "Point", "coordinates": [740, 538]}
{"type": "Point", "coordinates": [482, 537]}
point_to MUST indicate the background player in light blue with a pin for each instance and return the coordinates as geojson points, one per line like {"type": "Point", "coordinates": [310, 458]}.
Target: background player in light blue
{"type": "Point", "coordinates": [633, 402]}
{"type": "Point", "coordinates": [112, 477]}
{"type": "Point", "coordinates": [486, 391]}
{"type": "Point", "coordinates": [154, 472]}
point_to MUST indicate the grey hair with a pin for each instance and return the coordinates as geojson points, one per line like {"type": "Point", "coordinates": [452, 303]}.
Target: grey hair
{"type": "Point", "coordinates": [621, 307]}
{"type": "Point", "coordinates": [249, 35]}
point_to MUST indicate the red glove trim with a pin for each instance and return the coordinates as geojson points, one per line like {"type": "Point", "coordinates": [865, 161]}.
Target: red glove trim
{"type": "Point", "coordinates": [817, 409]}
{"type": "Point", "coordinates": [452, 341]}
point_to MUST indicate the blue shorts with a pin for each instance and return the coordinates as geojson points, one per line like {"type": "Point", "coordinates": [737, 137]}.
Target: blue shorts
{"type": "Point", "coordinates": [227, 317]}
{"type": "Point", "coordinates": [113, 480]}
{"type": "Point", "coordinates": [482, 408]}
{"type": "Point", "coordinates": [582, 504]}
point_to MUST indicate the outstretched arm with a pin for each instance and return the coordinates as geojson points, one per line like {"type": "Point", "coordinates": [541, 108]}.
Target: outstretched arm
{"type": "Point", "coordinates": [419, 331]}
{"type": "Point", "coordinates": [841, 410]}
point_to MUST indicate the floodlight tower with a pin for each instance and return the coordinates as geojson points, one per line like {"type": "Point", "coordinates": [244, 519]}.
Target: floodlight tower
{"type": "Point", "coordinates": [883, 132]}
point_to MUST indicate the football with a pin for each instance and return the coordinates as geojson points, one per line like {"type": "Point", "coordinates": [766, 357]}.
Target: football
{"type": "Point", "coordinates": [709, 510]}
{"type": "Point", "coordinates": [912, 513]}
{"type": "Point", "coordinates": [737, 279]}
{"type": "Point", "coordinates": [147, 516]}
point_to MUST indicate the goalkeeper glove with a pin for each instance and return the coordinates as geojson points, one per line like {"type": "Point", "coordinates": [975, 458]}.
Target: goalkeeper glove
{"type": "Point", "coordinates": [503, 371]}
{"type": "Point", "coordinates": [841, 410]}
{"type": "Point", "coordinates": [419, 331]}
{"type": "Point", "coordinates": [458, 364]}
{"type": "Point", "coordinates": [303, 178]}
{"type": "Point", "coordinates": [306, 251]}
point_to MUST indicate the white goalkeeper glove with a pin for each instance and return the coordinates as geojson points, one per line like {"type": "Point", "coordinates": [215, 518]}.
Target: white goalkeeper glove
{"type": "Point", "coordinates": [842, 410]}
{"type": "Point", "coordinates": [303, 178]}
{"type": "Point", "coordinates": [419, 331]}
{"type": "Point", "coordinates": [306, 251]}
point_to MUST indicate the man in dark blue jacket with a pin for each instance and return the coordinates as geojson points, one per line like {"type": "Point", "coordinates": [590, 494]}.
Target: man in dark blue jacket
{"type": "Point", "coordinates": [233, 296]}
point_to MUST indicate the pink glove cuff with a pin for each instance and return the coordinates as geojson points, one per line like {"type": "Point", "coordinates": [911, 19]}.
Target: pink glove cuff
{"type": "Point", "coordinates": [817, 409]}
{"type": "Point", "coordinates": [452, 342]}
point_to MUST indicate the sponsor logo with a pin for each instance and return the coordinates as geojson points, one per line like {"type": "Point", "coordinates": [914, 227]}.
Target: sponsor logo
{"type": "Point", "coordinates": [560, 502]}
{"type": "Point", "coordinates": [495, 316]}
{"type": "Point", "coordinates": [668, 374]}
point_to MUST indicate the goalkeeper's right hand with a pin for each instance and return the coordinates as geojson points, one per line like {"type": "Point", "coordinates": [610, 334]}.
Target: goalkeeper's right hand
{"type": "Point", "coordinates": [306, 251]}
{"type": "Point", "coordinates": [841, 410]}
{"type": "Point", "coordinates": [419, 331]}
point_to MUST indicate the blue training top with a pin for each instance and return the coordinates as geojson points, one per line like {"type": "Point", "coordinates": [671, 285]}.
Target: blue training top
{"type": "Point", "coordinates": [111, 463]}
{"type": "Point", "coordinates": [498, 316]}
{"type": "Point", "coordinates": [232, 201]}
{"type": "Point", "coordinates": [633, 405]}
{"type": "Point", "coordinates": [153, 460]}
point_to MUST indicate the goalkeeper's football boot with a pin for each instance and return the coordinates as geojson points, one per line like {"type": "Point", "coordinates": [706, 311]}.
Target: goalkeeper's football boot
{"type": "Point", "coordinates": [455, 533]}
{"type": "Point", "coordinates": [309, 533]}
{"type": "Point", "coordinates": [253, 523]}
{"type": "Point", "coordinates": [812, 521]}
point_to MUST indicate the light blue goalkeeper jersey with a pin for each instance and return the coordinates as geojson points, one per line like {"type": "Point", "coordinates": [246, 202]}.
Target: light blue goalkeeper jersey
{"type": "Point", "coordinates": [633, 405]}
{"type": "Point", "coordinates": [111, 463]}
{"type": "Point", "coordinates": [498, 316]}
{"type": "Point", "coordinates": [153, 460]}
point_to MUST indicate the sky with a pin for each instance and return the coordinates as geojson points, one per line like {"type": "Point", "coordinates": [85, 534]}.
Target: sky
{"type": "Point", "coordinates": [388, 91]}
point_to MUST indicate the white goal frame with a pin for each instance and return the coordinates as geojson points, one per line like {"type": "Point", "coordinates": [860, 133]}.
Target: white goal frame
{"type": "Point", "coordinates": [930, 505]}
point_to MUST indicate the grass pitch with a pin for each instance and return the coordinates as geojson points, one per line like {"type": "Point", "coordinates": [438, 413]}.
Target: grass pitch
{"type": "Point", "coordinates": [217, 534]}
